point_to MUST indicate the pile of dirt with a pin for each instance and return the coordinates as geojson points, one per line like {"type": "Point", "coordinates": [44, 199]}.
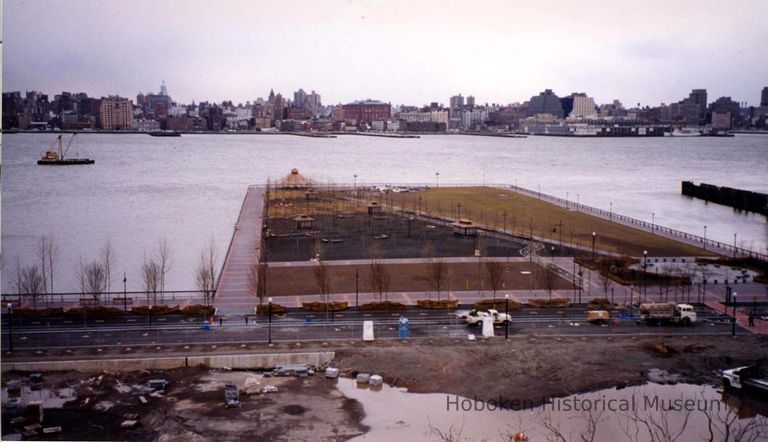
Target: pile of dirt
{"type": "Point", "coordinates": [384, 306]}
{"type": "Point", "coordinates": [443, 304]}
{"type": "Point", "coordinates": [549, 303]}
{"type": "Point", "coordinates": [497, 304]}
{"type": "Point", "coordinates": [333, 306]}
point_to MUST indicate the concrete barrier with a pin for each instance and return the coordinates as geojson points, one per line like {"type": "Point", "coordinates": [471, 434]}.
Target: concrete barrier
{"type": "Point", "coordinates": [238, 361]}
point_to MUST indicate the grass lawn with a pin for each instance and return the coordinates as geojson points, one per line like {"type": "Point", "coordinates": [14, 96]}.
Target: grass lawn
{"type": "Point", "coordinates": [529, 216]}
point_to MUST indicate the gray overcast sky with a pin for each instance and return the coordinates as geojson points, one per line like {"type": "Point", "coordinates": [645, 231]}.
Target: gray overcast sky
{"type": "Point", "coordinates": [409, 52]}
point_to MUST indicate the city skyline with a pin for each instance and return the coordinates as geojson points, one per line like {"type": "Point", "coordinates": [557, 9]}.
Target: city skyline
{"type": "Point", "coordinates": [416, 55]}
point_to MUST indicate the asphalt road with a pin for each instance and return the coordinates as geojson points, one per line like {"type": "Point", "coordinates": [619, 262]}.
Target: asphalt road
{"type": "Point", "coordinates": [298, 326]}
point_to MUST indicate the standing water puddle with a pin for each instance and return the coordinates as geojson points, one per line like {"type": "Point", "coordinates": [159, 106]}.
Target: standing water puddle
{"type": "Point", "coordinates": [639, 413]}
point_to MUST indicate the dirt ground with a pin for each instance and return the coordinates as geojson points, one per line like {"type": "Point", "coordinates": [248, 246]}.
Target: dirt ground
{"type": "Point", "coordinates": [410, 278]}
{"type": "Point", "coordinates": [193, 407]}
{"type": "Point", "coordinates": [354, 236]}
{"type": "Point", "coordinates": [531, 369]}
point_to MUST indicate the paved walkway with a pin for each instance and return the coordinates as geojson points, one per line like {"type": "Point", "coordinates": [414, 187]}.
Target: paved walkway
{"type": "Point", "coordinates": [741, 318]}
{"type": "Point", "coordinates": [233, 295]}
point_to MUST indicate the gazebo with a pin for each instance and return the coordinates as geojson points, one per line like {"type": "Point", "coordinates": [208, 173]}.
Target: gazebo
{"type": "Point", "coordinates": [294, 180]}
{"type": "Point", "coordinates": [464, 227]}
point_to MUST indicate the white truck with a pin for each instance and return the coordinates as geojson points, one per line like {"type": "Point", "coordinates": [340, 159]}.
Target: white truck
{"type": "Point", "coordinates": [668, 312]}
{"type": "Point", "coordinates": [747, 378]}
{"type": "Point", "coordinates": [475, 317]}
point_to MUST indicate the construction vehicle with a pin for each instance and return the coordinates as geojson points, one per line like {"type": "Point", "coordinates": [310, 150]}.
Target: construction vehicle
{"type": "Point", "coordinates": [683, 314]}
{"type": "Point", "coordinates": [598, 316]}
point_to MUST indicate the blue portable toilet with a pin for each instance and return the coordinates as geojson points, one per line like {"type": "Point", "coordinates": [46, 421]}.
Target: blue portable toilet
{"type": "Point", "coordinates": [403, 329]}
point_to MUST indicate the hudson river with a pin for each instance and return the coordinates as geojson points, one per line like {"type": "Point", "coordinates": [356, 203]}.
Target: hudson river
{"type": "Point", "coordinates": [189, 189]}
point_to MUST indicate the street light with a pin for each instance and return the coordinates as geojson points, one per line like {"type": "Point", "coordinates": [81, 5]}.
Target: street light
{"type": "Point", "coordinates": [566, 200]}
{"type": "Point", "coordinates": [10, 327]}
{"type": "Point", "coordinates": [269, 326]}
{"type": "Point", "coordinates": [355, 184]}
{"type": "Point", "coordinates": [734, 247]}
{"type": "Point", "coordinates": [705, 237]}
{"type": "Point", "coordinates": [437, 179]}
{"type": "Point", "coordinates": [653, 222]}
{"type": "Point", "coordinates": [506, 315]}
{"type": "Point", "coordinates": [733, 332]}
{"type": "Point", "coordinates": [150, 315]}
{"type": "Point", "coordinates": [610, 211]}
{"type": "Point", "coordinates": [594, 234]}
{"type": "Point", "coordinates": [645, 270]}
{"type": "Point", "coordinates": [125, 294]}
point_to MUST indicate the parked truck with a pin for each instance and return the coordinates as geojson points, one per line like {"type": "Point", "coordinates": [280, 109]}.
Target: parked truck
{"type": "Point", "coordinates": [683, 314]}
{"type": "Point", "coordinates": [598, 316]}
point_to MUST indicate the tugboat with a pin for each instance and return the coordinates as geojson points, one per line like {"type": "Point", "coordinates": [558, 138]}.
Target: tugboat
{"type": "Point", "coordinates": [58, 157]}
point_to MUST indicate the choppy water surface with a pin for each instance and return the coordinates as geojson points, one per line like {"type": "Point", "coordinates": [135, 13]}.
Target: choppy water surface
{"type": "Point", "coordinates": [189, 189]}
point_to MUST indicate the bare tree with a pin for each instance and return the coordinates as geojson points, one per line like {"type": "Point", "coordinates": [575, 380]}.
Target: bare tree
{"type": "Point", "coordinates": [494, 271]}
{"type": "Point", "coordinates": [107, 262]}
{"type": "Point", "coordinates": [92, 280]}
{"type": "Point", "coordinates": [150, 273]}
{"type": "Point", "coordinates": [654, 425]}
{"type": "Point", "coordinates": [724, 424]}
{"type": "Point", "coordinates": [163, 258]}
{"type": "Point", "coordinates": [322, 279]}
{"type": "Point", "coordinates": [549, 279]}
{"type": "Point", "coordinates": [205, 275]}
{"type": "Point", "coordinates": [587, 433]}
{"type": "Point", "coordinates": [437, 270]}
{"type": "Point", "coordinates": [605, 282]}
{"type": "Point", "coordinates": [31, 283]}
{"type": "Point", "coordinates": [380, 277]}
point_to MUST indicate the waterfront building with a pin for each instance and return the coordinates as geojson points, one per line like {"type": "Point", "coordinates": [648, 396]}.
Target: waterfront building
{"type": "Point", "coordinates": [764, 97]}
{"type": "Point", "coordinates": [470, 101]}
{"type": "Point", "coordinates": [726, 105]}
{"type": "Point", "coordinates": [545, 103]}
{"type": "Point", "coordinates": [116, 113]}
{"type": "Point", "coordinates": [721, 120]}
{"type": "Point", "coordinates": [315, 104]}
{"type": "Point", "coordinates": [300, 98]}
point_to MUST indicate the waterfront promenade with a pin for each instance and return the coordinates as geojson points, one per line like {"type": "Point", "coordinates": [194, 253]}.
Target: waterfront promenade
{"type": "Point", "coordinates": [233, 294]}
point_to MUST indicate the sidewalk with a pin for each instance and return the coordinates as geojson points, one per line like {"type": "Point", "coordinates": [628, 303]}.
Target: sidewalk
{"type": "Point", "coordinates": [742, 319]}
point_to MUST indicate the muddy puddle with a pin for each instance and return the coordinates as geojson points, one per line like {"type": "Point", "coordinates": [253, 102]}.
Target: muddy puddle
{"type": "Point", "coordinates": [641, 413]}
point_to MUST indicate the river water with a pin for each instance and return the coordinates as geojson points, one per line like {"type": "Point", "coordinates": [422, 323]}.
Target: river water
{"type": "Point", "coordinates": [188, 190]}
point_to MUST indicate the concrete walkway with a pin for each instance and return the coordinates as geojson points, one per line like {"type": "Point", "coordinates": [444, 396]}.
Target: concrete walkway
{"type": "Point", "coordinates": [233, 295]}
{"type": "Point", "coordinates": [741, 318]}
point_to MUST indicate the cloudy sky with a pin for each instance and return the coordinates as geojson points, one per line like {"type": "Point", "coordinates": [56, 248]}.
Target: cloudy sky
{"type": "Point", "coordinates": [411, 52]}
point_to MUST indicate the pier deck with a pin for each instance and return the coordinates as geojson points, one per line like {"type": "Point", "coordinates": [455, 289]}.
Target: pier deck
{"type": "Point", "coordinates": [233, 295]}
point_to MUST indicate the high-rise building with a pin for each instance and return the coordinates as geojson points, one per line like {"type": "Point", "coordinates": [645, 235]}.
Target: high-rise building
{"type": "Point", "coordinates": [694, 108]}
{"type": "Point", "coordinates": [457, 102]}
{"type": "Point", "coordinates": [315, 104]}
{"type": "Point", "coordinates": [545, 103]}
{"type": "Point", "coordinates": [764, 97]}
{"type": "Point", "coordinates": [300, 98]}
{"type": "Point", "coordinates": [470, 101]}
{"type": "Point", "coordinates": [116, 113]}
{"type": "Point", "coordinates": [583, 107]}
{"type": "Point", "coordinates": [278, 107]}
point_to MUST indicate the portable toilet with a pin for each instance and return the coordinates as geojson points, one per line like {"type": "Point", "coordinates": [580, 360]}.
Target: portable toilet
{"type": "Point", "coordinates": [403, 332]}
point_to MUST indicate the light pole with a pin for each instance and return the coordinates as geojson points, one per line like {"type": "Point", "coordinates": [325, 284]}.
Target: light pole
{"type": "Point", "coordinates": [506, 316]}
{"type": "Point", "coordinates": [566, 200]}
{"type": "Point", "coordinates": [578, 196]}
{"type": "Point", "coordinates": [10, 327]}
{"type": "Point", "coordinates": [269, 324]}
{"type": "Point", "coordinates": [357, 288]}
{"type": "Point", "coordinates": [645, 270]}
{"type": "Point", "coordinates": [653, 222]}
{"type": "Point", "coordinates": [734, 247]}
{"type": "Point", "coordinates": [705, 237]}
{"type": "Point", "coordinates": [125, 294]}
{"type": "Point", "coordinates": [610, 211]}
{"type": "Point", "coordinates": [355, 184]}
{"type": "Point", "coordinates": [150, 315]}
{"type": "Point", "coordinates": [437, 179]}
{"type": "Point", "coordinates": [733, 331]}
{"type": "Point", "coordinates": [594, 234]}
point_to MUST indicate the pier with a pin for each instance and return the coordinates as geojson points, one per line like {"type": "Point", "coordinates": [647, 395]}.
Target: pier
{"type": "Point", "coordinates": [233, 294]}
{"type": "Point", "coordinates": [736, 198]}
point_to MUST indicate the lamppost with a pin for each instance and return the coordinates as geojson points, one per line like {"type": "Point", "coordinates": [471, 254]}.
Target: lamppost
{"type": "Point", "coordinates": [357, 291]}
{"type": "Point", "coordinates": [594, 234]}
{"type": "Point", "coordinates": [10, 327]}
{"type": "Point", "coordinates": [506, 315]}
{"type": "Point", "coordinates": [269, 326]}
{"type": "Point", "coordinates": [150, 315]}
{"type": "Point", "coordinates": [125, 294]}
{"type": "Point", "coordinates": [645, 270]}
{"type": "Point", "coordinates": [437, 179]}
{"type": "Point", "coordinates": [577, 201]}
{"type": "Point", "coordinates": [566, 200]}
{"type": "Point", "coordinates": [705, 237]}
{"type": "Point", "coordinates": [734, 247]}
{"type": "Point", "coordinates": [610, 211]}
{"type": "Point", "coordinates": [355, 175]}
{"type": "Point", "coordinates": [733, 331]}
{"type": "Point", "coordinates": [653, 222]}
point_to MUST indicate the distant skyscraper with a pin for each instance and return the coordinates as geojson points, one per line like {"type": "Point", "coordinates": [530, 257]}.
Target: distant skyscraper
{"type": "Point", "coordinates": [470, 101]}
{"type": "Point", "coordinates": [545, 103]}
{"type": "Point", "coordinates": [583, 107]}
{"type": "Point", "coordinates": [277, 108]}
{"type": "Point", "coordinates": [300, 98]}
{"type": "Point", "coordinates": [694, 108]}
{"type": "Point", "coordinates": [116, 113]}
{"type": "Point", "coordinates": [457, 102]}
{"type": "Point", "coordinates": [315, 104]}
{"type": "Point", "coordinates": [764, 97]}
